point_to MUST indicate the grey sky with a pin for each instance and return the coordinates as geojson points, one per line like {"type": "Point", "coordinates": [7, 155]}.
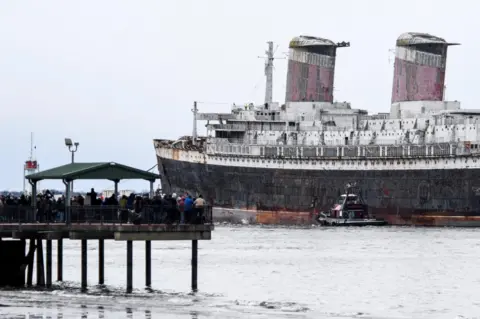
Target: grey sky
{"type": "Point", "coordinates": [116, 74]}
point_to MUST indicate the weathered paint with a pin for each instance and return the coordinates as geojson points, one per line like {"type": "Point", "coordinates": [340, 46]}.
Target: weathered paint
{"type": "Point", "coordinates": [311, 65]}
{"type": "Point", "coordinates": [176, 154]}
{"type": "Point", "coordinates": [419, 71]}
{"type": "Point", "coordinates": [414, 38]}
{"type": "Point", "coordinates": [309, 82]}
{"type": "Point", "coordinates": [414, 82]}
{"type": "Point", "coordinates": [432, 220]}
{"type": "Point", "coordinates": [382, 161]}
{"type": "Point", "coordinates": [308, 41]}
{"type": "Point", "coordinates": [284, 218]}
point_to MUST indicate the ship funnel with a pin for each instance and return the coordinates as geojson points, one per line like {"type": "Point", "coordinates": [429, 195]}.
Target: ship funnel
{"type": "Point", "coordinates": [311, 69]}
{"type": "Point", "coordinates": [419, 71]}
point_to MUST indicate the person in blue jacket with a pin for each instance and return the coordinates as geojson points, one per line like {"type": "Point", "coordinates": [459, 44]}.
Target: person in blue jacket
{"type": "Point", "coordinates": [188, 207]}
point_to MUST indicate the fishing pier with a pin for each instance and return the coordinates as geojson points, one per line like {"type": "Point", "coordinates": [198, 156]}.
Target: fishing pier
{"type": "Point", "coordinates": [86, 223]}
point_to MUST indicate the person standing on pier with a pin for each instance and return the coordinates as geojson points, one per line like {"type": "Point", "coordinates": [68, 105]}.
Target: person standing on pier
{"type": "Point", "coordinates": [199, 205]}
{"type": "Point", "coordinates": [181, 208]}
{"type": "Point", "coordinates": [188, 207]}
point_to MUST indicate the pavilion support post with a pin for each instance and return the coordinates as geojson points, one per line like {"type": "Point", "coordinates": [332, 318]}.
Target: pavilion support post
{"type": "Point", "coordinates": [115, 191]}
{"type": "Point", "coordinates": [33, 213]}
{"type": "Point", "coordinates": [68, 217]}
{"type": "Point", "coordinates": [116, 187]}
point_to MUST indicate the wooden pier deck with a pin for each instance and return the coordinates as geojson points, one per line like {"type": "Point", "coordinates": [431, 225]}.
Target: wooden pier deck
{"type": "Point", "coordinates": [52, 231]}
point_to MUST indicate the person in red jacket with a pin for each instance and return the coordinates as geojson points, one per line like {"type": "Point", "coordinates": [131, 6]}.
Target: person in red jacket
{"type": "Point", "coordinates": [181, 208]}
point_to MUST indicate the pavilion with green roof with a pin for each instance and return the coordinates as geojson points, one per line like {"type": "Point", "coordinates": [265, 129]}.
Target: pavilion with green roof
{"type": "Point", "coordinates": [100, 170]}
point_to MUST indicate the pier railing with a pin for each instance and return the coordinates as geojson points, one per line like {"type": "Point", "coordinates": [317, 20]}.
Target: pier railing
{"type": "Point", "coordinates": [151, 214]}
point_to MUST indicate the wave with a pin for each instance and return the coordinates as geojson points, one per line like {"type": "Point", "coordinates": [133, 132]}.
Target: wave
{"type": "Point", "coordinates": [110, 298]}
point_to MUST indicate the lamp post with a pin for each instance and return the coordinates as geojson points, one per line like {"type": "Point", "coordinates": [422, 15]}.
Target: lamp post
{"type": "Point", "coordinates": [72, 147]}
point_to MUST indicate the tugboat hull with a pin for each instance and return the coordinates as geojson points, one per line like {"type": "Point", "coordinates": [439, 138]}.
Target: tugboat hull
{"type": "Point", "coordinates": [350, 222]}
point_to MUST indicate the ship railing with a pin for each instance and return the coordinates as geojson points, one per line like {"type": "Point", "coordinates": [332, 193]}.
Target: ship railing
{"type": "Point", "coordinates": [107, 214]}
{"type": "Point", "coordinates": [238, 127]}
{"type": "Point", "coordinates": [325, 128]}
{"type": "Point", "coordinates": [291, 148]}
{"type": "Point", "coordinates": [261, 140]}
{"type": "Point", "coordinates": [236, 142]}
{"type": "Point", "coordinates": [280, 127]}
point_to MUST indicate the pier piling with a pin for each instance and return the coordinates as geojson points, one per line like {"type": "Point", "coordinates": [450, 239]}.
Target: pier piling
{"type": "Point", "coordinates": [101, 262]}
{"type": "Point", "coordinates": [31, 251]}
{"type": "Point", "coordinates": [129, 266]}
{"type": "Point", "coordinates": [148, 263]}
{"type": "Point", "coordinates": [60, 260]}
{"type": "Point", "coordinates": [49, 263]}
{"type": "Point", "coordinates": [84, 264]}
{"type": "Point", "coordinates": [40, 269]}
{"type": "Point", "coordinates": [194, 264]}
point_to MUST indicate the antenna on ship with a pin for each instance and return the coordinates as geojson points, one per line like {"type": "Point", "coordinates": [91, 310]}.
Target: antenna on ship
{"type": "Point", "coordinates": [269, 71]}
{"type": "Point", "coordinates": [391, 52]}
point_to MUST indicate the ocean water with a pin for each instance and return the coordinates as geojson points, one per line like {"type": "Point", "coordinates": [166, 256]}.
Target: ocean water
{"type": "Point", "coordinates": [255, 272]}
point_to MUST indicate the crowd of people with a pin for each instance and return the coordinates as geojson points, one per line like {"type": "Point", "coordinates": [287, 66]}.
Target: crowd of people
{"type": "Point", "coordinates": [161, 208]}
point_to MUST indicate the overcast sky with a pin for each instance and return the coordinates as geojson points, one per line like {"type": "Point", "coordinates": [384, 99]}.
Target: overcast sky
{"type": "Point", "coordinates": [113, 75]}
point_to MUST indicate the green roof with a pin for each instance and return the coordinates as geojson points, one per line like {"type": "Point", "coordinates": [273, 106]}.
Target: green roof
{"type": "Point", "coordinates": [106, 170]}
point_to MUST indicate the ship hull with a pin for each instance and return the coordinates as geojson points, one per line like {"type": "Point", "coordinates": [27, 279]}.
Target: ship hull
{"type": "Point", "coordinates": [426, 197]}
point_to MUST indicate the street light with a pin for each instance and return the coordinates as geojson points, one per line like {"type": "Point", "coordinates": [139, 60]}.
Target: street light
{"type": "Point", "coordinates": [72, 147]}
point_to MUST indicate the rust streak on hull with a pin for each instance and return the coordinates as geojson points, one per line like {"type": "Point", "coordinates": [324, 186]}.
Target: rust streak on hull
{"type": "Point", "coordinates": [236, 215]}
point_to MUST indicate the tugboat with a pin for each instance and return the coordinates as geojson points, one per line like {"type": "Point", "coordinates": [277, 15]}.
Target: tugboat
{"type": "Point", "coordinates": [349, 210]}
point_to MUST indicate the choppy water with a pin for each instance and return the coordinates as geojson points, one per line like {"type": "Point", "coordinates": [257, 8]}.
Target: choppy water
{"type": "Point", "coordinates": [253, 272]}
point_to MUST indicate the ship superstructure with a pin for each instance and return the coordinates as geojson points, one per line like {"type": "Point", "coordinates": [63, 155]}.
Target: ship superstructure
{"type": "Point", "coordinates": [280, 161]}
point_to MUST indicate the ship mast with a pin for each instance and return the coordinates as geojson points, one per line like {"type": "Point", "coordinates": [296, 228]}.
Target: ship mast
{"type": "Point", "coordinates": [194, 133]}
{"type": "Point", "coordinates": [269, 73]}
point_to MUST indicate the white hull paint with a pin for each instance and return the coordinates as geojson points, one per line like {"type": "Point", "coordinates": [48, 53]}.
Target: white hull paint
{"type": "Point", "coordinates": [349, 164]}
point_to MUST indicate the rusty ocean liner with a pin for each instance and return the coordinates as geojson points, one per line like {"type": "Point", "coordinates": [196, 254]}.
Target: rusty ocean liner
{"type": "Point", "coordinates": [281, 163]}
